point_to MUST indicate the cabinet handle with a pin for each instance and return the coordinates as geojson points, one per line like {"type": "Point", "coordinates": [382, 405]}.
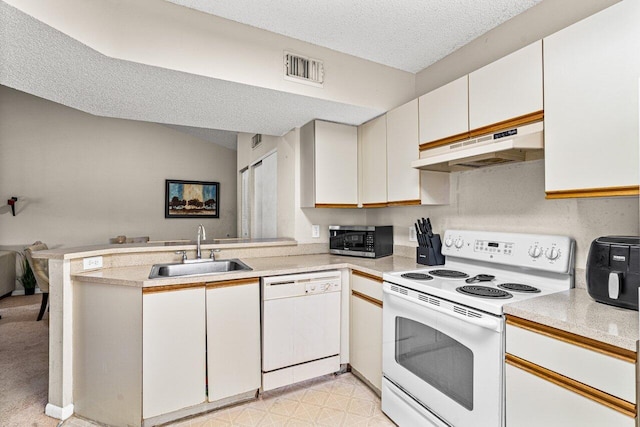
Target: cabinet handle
{"type": "Point", "coordinates": [367, 276]}
{"type": "Point", "coordinates": [568, 337]}
{"type": "Point", "coordinates": [367, 298]}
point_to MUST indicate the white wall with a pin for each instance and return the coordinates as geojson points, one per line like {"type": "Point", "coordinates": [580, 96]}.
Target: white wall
{"type": "Point", "coordinates": [287, 149]}
{"type": "Point", "coordinates": [82, 179]}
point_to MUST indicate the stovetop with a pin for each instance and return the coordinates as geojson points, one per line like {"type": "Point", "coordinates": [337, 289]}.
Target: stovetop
{"type": "Point", "coordinates": [495, 265]}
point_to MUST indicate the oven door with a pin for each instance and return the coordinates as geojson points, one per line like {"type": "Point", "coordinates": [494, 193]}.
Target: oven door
{"type": "Point", "coordinates": [444, 357]}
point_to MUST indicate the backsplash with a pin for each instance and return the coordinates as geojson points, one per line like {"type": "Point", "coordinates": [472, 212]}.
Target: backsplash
{"type": "Point", "coordinates": [511, 198]}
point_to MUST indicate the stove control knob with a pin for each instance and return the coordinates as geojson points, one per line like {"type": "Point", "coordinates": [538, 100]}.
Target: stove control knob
{"type": "Point", "coordinates": [459, 243]}
{"type": "Point", "coordinates": [448, 242]}
{"type": "Point", "coordinates": [535, 251]}
{"type": "Point", "coordinates": [552, 253]}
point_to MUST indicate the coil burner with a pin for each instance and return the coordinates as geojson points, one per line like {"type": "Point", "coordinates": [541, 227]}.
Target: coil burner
{"type": "Point", "coordinates": [416, 276]}
{"type": "Point", "coordinates": [449, 274]}
{"type": "Point", "coordinates": [518, 287]}
{"type": "Point", "coordinates": [483, 292]}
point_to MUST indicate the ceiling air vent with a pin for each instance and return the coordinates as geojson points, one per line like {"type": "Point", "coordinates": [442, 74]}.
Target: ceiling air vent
{"type": "Point", "coordinates": [256, 140]}
{"type": "Point", "coordinates": [301, 69]}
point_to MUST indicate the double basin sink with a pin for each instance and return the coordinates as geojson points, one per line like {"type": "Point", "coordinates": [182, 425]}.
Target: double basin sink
{"type": "Point", "coordinates": [195, 268]}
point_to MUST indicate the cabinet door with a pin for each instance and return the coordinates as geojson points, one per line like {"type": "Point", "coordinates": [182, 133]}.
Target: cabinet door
{"type": "Point", "coordinates": [366, 340]}
{"type": "Point", "coordinates": [444, 112]}
{"type": "Point", "coordinates": [403, 181]}
{"type": "Point", "coordinates": [507, 88]}
{"type": "Point", "coordinates": [233, 338]}
{"type": "Point", "coordinates": [591, 105]}
{"type": "Point", "coordinates": [613, 375]}
{"type": "Point", "coordinates": [365, 347]}
{"type": "Point", "coordinates": [373, 139]}
{"type": "Point", "coordinates": [407, 185]}
{"type": "Point", "coordinates": [336, 164]}
{"type": "Point", "coordinates": [173, 350]}
{"type": "Point", "coordinates": [532, 401]}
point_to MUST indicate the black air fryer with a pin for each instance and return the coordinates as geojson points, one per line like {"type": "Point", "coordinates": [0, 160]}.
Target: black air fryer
{"type": "Point", "coordinates": [613, 271]}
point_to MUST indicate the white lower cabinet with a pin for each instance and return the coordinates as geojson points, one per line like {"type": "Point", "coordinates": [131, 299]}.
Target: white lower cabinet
{"type": "Point", "coordinates": [173, 350]}
{"type": "Point", "coordinates": [365, 347]}
{"type": "Point", "coordinates": [555, 378]}
{"type": "Point", "coordinates": [145, 356]}
{"type": "Point", "coordinates": [233, 338]}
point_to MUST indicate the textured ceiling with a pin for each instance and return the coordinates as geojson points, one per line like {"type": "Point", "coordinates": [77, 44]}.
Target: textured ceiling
{"type": "Point", "coordinates": [406, 34]}
{"type": "Point", "coordinates": [40, 60]}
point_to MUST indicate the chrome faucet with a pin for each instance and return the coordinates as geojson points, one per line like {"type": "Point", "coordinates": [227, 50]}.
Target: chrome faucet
{"type": "Point", "coordinates": [202, 235]}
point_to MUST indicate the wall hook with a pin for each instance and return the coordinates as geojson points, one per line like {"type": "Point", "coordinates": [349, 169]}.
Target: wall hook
{"type": "Point", "coordinates": [12, 202]}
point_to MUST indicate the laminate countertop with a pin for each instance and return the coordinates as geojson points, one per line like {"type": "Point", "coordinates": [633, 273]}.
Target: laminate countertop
{"type": "Point", "coordinates": [138, 276]}
{"type": "Point", "coordinates": [571, 311]}
{"type": "Point", "coordinates": [576, 312]}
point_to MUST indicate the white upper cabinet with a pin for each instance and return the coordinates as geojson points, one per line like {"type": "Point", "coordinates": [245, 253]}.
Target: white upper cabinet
{"type": "Point", "coordinates": [328, 165]}
{"type": "Point", "coordinates": [403, 183]}
{"type": "Point", "coordinates": [373, 160]}
{"type": "Point", "coordinates": [591, 105]}
{"type": "Point", "coordinates": [507, 88]}
{"type": "Point", "coordinates": [444, 112]}
{"type": "Point", "coordinates": [406, 185]}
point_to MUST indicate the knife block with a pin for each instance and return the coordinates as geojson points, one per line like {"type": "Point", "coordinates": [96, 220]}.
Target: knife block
{"type": "Point", "coordinates": [432, 255]}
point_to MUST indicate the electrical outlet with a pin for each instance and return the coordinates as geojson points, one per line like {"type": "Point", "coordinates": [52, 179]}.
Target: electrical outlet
{"type": "Point", "coordinates": [315, 231]}
{"type": "Point", "coordinates": [412, 234]}
{"type": "Point", "coordinates": [92, 263]}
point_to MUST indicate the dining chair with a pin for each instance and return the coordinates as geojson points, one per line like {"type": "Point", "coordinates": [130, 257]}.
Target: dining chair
{"type": "Point", "coordinates": [40, 269]}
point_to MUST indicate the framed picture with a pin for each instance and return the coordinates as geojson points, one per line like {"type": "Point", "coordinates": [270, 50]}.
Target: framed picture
{"type": "Point", "coordinates": [191, 199]}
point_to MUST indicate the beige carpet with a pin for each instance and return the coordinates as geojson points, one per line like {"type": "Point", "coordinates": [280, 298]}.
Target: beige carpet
{"type": "Point", "coordinates": [24, 363]}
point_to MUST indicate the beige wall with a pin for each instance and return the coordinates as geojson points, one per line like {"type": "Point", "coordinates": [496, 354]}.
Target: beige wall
{"type": "Point", "coordinates": [82, 179]}
{"type": "Point", "coordinates": [511, 198]}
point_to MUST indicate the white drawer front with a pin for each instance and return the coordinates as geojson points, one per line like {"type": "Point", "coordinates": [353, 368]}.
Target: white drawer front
{"type": "Point", "coordinates": [605, 373]}
{"type": "Point", "coordinates": [534, 402]}
{"type": "Point", "coordinates": [369, 287]}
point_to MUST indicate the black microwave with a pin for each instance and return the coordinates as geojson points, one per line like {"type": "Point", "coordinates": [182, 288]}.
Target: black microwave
{"type": "Point", "coordinates": [361, 240]}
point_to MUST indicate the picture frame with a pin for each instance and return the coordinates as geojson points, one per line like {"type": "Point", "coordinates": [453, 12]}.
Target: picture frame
{"type": "Point", "coordinates": [191, 199]}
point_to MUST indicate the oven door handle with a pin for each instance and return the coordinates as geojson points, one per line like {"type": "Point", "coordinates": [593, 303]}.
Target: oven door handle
{"type": "Point", "coordinates": [488, 322]}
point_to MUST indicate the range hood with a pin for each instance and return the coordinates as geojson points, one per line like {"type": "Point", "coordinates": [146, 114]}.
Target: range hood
{"type": "Point", "coordinates": [510, 145]}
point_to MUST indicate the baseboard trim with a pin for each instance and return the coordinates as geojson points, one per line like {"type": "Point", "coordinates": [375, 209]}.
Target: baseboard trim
{"type": "Point", "coordinates": [58, 412]}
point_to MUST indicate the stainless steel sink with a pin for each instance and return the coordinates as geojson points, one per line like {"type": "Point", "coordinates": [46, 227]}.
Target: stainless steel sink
{"type": "Point", "coordinates": [205, 267]}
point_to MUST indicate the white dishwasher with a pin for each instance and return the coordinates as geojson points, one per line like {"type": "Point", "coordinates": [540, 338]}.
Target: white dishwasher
{"type": "Point", "coordinates": [300, 327]}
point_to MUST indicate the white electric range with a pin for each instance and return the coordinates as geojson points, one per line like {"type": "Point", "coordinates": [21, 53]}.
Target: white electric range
{"type": "Point", "coordinates": [443, 326]}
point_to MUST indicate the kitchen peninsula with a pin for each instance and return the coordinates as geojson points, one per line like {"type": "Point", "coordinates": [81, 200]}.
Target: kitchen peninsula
{"type": "Point", "coordinates": [127, 267]}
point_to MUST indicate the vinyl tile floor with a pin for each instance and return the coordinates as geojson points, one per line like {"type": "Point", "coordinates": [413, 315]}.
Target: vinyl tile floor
{"type": "Point", "coordinates": [329, 400]}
